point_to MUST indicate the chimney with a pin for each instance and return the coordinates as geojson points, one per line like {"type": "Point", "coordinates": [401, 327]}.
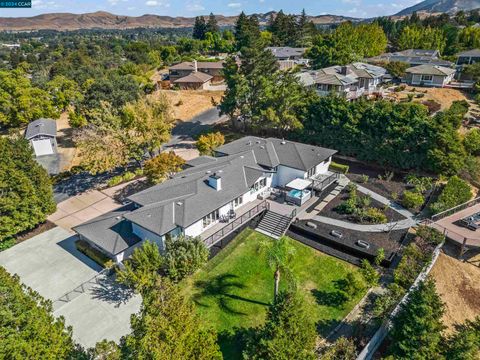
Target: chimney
{"type": "Point", "coordinates": [215, 181]}
{"type": "Point", "coordinates": [195, 66]}
{"type": "Point", "coordinates": [344, 70]}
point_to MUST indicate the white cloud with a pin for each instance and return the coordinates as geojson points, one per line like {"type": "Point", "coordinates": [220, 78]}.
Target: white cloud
{"type": "Point", "coordinates": [152, 3]}
{"type": "Point", "coordinates": [195, 6]}
{"type": "Point", "coordinates": [234, 5]}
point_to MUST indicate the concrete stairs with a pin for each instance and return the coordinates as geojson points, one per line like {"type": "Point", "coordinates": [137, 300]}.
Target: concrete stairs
{"type": "Point", "coordinates": [273, 224]}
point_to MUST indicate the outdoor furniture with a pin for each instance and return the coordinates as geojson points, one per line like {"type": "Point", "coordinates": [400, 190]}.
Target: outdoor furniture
{"type": "Point", "coordinates": [232, 214]}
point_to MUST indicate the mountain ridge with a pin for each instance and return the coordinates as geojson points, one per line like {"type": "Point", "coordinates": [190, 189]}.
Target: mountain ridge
{"type": "Point", "coordinates": [106, 20]}
{"type": "Point", "coordinates": [441, 6]}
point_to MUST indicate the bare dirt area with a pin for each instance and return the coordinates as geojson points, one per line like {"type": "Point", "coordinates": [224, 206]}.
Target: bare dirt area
{"type": "Point", "coordinates": [459, 287]}
{"type": "Point", "coordinates": [66, 147]}
{"type": "Point", "coordinates": [188, 103]}
{"type": "Point", "coordinates": [444, 96]}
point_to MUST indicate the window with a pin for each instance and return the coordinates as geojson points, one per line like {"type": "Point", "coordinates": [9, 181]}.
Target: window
{"type": "Point", "coordinates": [312, 171]}
{"type": "Point", "coordinates": [210, 218]}
{"type": "Point", "coordinates": [237, 202]}
{"type": "Point", "coordinates": [258, 185]}
{"type": "Point", "coordinates": [427, 77]}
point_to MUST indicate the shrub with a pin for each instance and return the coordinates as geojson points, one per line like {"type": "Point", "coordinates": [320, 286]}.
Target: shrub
{"type": "Point", "coordinates": [471, 141]}
{"type": "Point", "coordinates": [380, 256]}
{"type": "Point", "coordinates": [375, 216]}
{"type": "Point", "coordinates": [394, 196]}
{"type": "Point", "coordinates": [412, 262]}
{"type": "Point", "coordinates": [351, 187]}
{"type": "Point", "coordinates": [94, 254]}
{"type": "Point", "coordinates": [455, 192]}
{"type": "Point", "coordinates": [128, 176]}
{"type": "Point", "coordinates": [340, 168]}
{"type": "Point", "coordinates": [353, 285]}
{"type": "Point", "coordinates": [387, 301]}
{"type": "Point", "coordinates": [364, 179]}
{"type": "Point", "coordinates": [206, 144]}
{"type": "Point", "coordinates": [184, 256]}
{"type": "Point", "coordinates": [364, 201]}
{"type": "Point", "coordinates": [162, 166]}
{"type": "Point", "coordinates": [412, 199]}
{"type": "Point", "coordinates": [369, 273]}
{"type": "Point", "coordinates": [348, 207]}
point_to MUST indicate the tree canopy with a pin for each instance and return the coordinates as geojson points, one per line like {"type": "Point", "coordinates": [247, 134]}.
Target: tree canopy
{"type": "Point", "coordinates": [27, 197]}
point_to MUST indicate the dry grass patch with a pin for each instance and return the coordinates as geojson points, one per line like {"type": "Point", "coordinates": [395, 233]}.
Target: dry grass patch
{"type": "Point", "coordinates": [459, 287]}
{"type": "Point", "coordinates": [188, 103]}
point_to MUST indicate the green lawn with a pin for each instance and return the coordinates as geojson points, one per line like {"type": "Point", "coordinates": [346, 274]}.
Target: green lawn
{"type": "Point", "coordinates": [234, 289]}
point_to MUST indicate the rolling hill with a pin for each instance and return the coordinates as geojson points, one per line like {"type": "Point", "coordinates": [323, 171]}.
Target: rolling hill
{"type": "Point", "coordinates": [106, 20]}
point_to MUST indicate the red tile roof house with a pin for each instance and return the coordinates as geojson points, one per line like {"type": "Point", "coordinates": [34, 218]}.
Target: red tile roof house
{"type": "Point", "coordinates": [196, 75]}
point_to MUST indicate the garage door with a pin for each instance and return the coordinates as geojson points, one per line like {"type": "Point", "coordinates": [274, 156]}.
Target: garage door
{"type": "Point", "coordinates": [42, 147]}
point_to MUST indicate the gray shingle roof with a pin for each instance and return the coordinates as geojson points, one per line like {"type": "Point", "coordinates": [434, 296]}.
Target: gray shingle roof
{"type": "Point", "coordinates": [110, 231]}
{"type": "Point", "coordinates": [286, 51]}
{"type": "Point", "coordinates": [187, 197]}
{"type": "Point", "coordinates": [272, 152]}
{"type": "Point", "coordinates": [41, 127]}
{"type": "Point", "coordinates": [430, 70]}
{"type": "Point", "coordinates": [413, 57]}
{"type": "Point", "coordinates": [189, 65]}
{"type": "Point", "coordinates": [195, 77]}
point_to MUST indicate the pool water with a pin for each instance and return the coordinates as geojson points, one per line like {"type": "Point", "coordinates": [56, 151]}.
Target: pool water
{"type": "Point", "coordinates": [297, 193]}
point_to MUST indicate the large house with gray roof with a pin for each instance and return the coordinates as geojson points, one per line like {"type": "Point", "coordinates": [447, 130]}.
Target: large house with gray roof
{"type": "Point", "coordinates": [209, 190]}
{"type": "Point", "coordinates": [350, 81]}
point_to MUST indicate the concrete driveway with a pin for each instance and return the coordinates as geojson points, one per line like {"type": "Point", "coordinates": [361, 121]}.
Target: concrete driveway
{"type": "Point", "coordinates": [50, 264]}
{"type": "Point", "coordinates": [86, 206]}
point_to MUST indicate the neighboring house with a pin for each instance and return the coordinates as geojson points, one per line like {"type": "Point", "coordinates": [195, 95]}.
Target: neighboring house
{"type": "Point", "coordinates": [288, 57]}
{"type": "Point", "coordinates": [194, 81]}
{"type": "Point", "coordinates": [350, 81]}
{"type": "Point", "coordinates": [412, 57]}
{"type": "Point", "coordinates": [214, 69]}
{"type": "Point", "coordinates": [42, 134]}
{"type": "Point", "coordinates": [468, 57]}
{"type": "Point", "coordinates": [199, 197]}
{"type": "Point", "coordinates": [429, 75]}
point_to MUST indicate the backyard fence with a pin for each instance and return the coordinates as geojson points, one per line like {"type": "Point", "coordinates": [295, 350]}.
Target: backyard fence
{"type": "Point", "coordinates": [377, 339]}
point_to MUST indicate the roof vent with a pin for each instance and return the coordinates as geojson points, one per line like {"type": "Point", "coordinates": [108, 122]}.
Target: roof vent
{"type": "Point", "coordinates": [118, 217]}
{"type": "Point", "coordinates": [208, 172]}
{"type": "Point", "coordinates": [249, 143]}
{"type": "Point", "coordinates": [258, 141]}
{"type": "Point", "coordinates": [283, 142]}
{"type": "Point", "coordinates": [262, 147]}
{"type": "Point", "coordinates": [179, 203]}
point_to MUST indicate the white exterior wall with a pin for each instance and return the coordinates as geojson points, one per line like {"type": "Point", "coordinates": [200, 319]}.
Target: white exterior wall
{"type": "Point", "coordinates": [195, 229]}
{"type": "Point", "coordinates": [286, 174]}
{"type": "Point", "coordinates": [322, 168]}
{"type": "Point", "coordinates": [144, 234]}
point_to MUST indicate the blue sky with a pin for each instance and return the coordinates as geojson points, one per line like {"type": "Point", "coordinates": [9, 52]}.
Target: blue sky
{"type": "Point", "coordinates": [355, 8]}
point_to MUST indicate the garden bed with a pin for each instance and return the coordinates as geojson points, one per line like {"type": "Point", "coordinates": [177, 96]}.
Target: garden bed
{"type": "Point", "coordinates": [331, 209]}
{"type": "Point", "coordinates": [94, 254]}
{"type": "Point", "coordinates": [381, 187]}
{"type": "Point", "coordinates": [41, 228]}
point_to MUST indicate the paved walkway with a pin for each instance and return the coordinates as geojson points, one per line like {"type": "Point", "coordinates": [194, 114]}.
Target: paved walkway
{"type": "Point", "coordinates": [397, 225]}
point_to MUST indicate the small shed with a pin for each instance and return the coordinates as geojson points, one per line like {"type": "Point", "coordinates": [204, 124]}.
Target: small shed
{"type": "Point", "coordinates": [42, 134]}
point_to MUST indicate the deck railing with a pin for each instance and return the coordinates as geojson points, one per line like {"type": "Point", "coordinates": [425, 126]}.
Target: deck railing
{"type": "Point", "coordinates": [455, 209]}
{"type": "Point", "coordinates": [236, 223]}
{"type": "Point", "coordinates": [319, 185]}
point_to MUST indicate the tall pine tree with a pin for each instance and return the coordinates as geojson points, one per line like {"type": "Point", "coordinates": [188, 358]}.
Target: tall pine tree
{"type": "Point", "coordinates": [199, 28]}
{"type": "Point", "coordinates": [212, 24]}
{"type": "Point", "coordinates": [417, 328]}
